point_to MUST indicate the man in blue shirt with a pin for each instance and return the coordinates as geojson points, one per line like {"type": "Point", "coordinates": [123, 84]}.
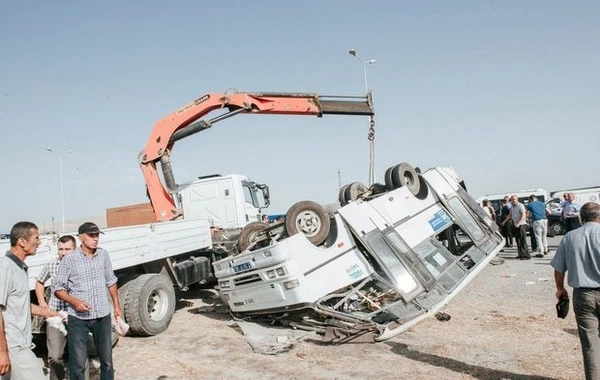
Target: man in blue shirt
{"type": "Point", "coordinates": [579, 254]}
{"type": "Point", "coordinates": [536, 211]}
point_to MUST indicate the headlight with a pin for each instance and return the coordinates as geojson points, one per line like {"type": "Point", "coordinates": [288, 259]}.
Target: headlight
{"type": "Point", "coordinates": [271, 274]}
{"type": "Point", "coordinates": [280, 271]}
{"type": "Point", "coordinates": [224, 284]}
{"type": "Point", "coordinates": [291, 284]}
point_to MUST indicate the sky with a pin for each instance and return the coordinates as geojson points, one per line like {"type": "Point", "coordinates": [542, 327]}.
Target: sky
{"type": "Point", "coordinates": [505, 92]}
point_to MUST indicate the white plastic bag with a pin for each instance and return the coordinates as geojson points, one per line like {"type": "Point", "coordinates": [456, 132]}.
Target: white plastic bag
{"type": "Point", "coordinates": [119, 325]}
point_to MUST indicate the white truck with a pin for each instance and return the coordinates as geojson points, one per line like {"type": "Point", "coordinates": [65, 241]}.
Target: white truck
{"type": "Point", "coordinates": [191, 224]}
{"type": "Point", "coordinates": [392, 255]}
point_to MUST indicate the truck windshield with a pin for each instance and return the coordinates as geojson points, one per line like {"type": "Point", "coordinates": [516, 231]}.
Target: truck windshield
{"type": "Point", "coordinates": [253, 196]}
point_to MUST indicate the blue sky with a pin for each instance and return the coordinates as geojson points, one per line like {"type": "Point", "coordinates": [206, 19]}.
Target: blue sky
{"type": "Point", "coordinates": [505, 92]}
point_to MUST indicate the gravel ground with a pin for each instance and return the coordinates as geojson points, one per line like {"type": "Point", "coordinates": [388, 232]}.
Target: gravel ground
{"type": "Point", "coordinates": [503, 326]}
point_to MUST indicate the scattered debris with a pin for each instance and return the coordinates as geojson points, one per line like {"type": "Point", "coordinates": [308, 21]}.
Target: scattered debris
{"type": "Point", "coordinates": [209, 309]}
{"type": "Point", "coordinates": [269, 340]}
{"type": "Point", "coordinates": [497, 261]}
{"type": "Point", "coordinates": [443, 317]}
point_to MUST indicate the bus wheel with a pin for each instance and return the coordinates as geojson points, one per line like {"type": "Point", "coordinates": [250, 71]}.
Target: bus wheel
{"type": "Point", "coordinates": [249, 235]}
{"type": "Point", "coordinates": [403, 175]}
{"type": "Point", "coordinates": [311, 219]}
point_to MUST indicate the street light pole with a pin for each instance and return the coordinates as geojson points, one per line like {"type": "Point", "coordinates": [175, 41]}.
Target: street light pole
{"type": "Point", "coordinates": [353, 53]}
{"type": "Point", "coordinates": [62, 188]}
{"type": "Point", "coordinates": [371, 135]}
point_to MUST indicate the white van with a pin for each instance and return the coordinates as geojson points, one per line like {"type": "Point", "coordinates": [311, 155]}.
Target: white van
{"type": "Point", "coordinates": [541, 194]}
{"type": "Point", "coordinates": [554, 204]}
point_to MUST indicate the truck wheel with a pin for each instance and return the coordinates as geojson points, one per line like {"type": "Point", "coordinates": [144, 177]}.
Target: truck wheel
{"type": "Point", "coordinates": [127, 281]}
{"type": "Point", "coordinates": [354, 191]}
{"type": "Point", "coordinates": [557, 228]}
{"type": "Point", "coordinates": [248, 235]}
{"type": "Point", "coordinates": [403, 175]}
{"type": "Point", "coordinates": [342, 196]}
{"type": "Point", "coordinates": [149, 304]}
{"type": "Point", "coordinates": [310, 218]}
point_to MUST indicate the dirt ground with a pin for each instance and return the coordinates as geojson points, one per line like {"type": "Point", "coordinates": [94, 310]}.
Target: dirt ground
{"type": "Point", "coordinates": [503, 326]}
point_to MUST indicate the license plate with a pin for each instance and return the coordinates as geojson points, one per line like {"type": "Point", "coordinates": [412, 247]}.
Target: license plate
{"type": "Point", "coordinates": [242, 267]}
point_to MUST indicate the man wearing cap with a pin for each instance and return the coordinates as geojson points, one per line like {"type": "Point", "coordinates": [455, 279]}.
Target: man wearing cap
{"type": "Point", "coordinates": [82, 279]}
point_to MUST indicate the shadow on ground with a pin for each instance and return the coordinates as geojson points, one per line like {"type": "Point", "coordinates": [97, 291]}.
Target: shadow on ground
{"type": "Point", "coordinates": [573, 332]}
{"type": "Point", "coordinates": [477, 372]}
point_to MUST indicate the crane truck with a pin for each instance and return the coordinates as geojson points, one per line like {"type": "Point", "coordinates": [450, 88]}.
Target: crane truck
{"type": "Point", "coordinates": [194, 223]}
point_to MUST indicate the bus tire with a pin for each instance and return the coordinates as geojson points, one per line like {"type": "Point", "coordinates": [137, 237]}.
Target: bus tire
{"type": "Point", "coordinates": [311, 219]}
{"type": "Point", "coordinates": [248, 235]}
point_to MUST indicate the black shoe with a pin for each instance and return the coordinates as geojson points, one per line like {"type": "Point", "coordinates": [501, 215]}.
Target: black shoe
{"type": "Point", "coordinates": [525, 258]}
{"type": "Point", "coordinates": [539, 255]}
{"type": "Point", "coordinates": [545, 252]}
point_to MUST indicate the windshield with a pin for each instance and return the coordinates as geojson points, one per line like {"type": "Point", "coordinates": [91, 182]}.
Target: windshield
{"type": "Point", "coordinates": [252, 195]}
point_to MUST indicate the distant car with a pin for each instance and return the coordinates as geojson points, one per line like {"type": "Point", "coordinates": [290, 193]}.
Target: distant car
{"type": "Point", "coordinates": [555, 225]}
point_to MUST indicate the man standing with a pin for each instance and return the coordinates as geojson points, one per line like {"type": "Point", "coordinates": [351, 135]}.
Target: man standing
{"type": "Point", "coordinates": [570, 213]}
{"type": "Point", "coordinates": [518, 216]}
{"type": "Point", "coordinates": [579, 254]}
{"type": "Point", "coordinates": [55, 340]}
{"type": "Point", "coordinates": [17, 360]}
{"type": "Point", "coordinates": [537, 212]}
{"type": "Point", "coordinates": [82, 280]}
{"type": "Point", "coordinates": [506, 228]}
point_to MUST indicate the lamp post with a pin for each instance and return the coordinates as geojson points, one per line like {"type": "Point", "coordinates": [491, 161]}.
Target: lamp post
{"type": "Point", "coordinates": [62, 188]}
{"type": "Point", "coordinates": [371, 135]}
{"type": "Point", "coordinates": [353, 53]}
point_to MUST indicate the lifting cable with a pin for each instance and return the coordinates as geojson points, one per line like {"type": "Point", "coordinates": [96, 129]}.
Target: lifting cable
{"type": "Point", "coordinates": [371, 138]}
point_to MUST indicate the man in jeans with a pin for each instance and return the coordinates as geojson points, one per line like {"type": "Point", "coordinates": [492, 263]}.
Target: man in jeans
{"type": "Point", "coordinates": [537, 212]}
{"type": "Point", "coordinates": [82, 279]}
{"type": "Point", "coordinates": [579, 254]}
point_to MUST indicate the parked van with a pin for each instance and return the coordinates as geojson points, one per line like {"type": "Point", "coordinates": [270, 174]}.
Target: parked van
{"type": "Point", "coordinates": [541, 194]}
{"type": "Point", "coordinates": [554, 204]}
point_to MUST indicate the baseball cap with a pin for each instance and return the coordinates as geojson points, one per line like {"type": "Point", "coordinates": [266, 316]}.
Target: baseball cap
{"type": "Point", "coordinates": [89, 228]}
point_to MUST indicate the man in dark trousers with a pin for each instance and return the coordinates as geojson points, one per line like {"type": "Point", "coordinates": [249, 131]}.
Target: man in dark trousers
{"type": "Point", "coordinates": [518, 215]}
{"type": "Point", "coordinates": [82, 279]}
{"type": "Point", "coordinates": [579, 254]}
{"type": "Point", "coordinates": [506, 228]}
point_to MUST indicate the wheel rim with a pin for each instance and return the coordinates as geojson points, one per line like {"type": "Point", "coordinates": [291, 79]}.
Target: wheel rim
{"type": "Point", "coordinates": [556, 228]}
{"type": "Point", "coordinates": [308, 223]}
{"type": "Point", "coordinates": [157, 304]}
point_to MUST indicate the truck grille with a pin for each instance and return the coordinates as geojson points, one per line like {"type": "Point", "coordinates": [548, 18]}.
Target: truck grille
{"type": "Point", "coordinates": [247, 279]}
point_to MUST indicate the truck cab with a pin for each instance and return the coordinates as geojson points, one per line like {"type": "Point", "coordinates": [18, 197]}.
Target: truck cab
{"type": "Point", "coordinates": [225, 201]}
{"type": "Point", "coordinates": [228, 202]}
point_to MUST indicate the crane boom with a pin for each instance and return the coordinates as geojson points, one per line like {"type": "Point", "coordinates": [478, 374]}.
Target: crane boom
{"type": "Point", "coordinates": [187, 121]}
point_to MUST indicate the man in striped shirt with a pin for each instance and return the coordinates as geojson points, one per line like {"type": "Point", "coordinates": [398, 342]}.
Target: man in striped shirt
{"type": "Point", "coordinates": [55, 340]}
